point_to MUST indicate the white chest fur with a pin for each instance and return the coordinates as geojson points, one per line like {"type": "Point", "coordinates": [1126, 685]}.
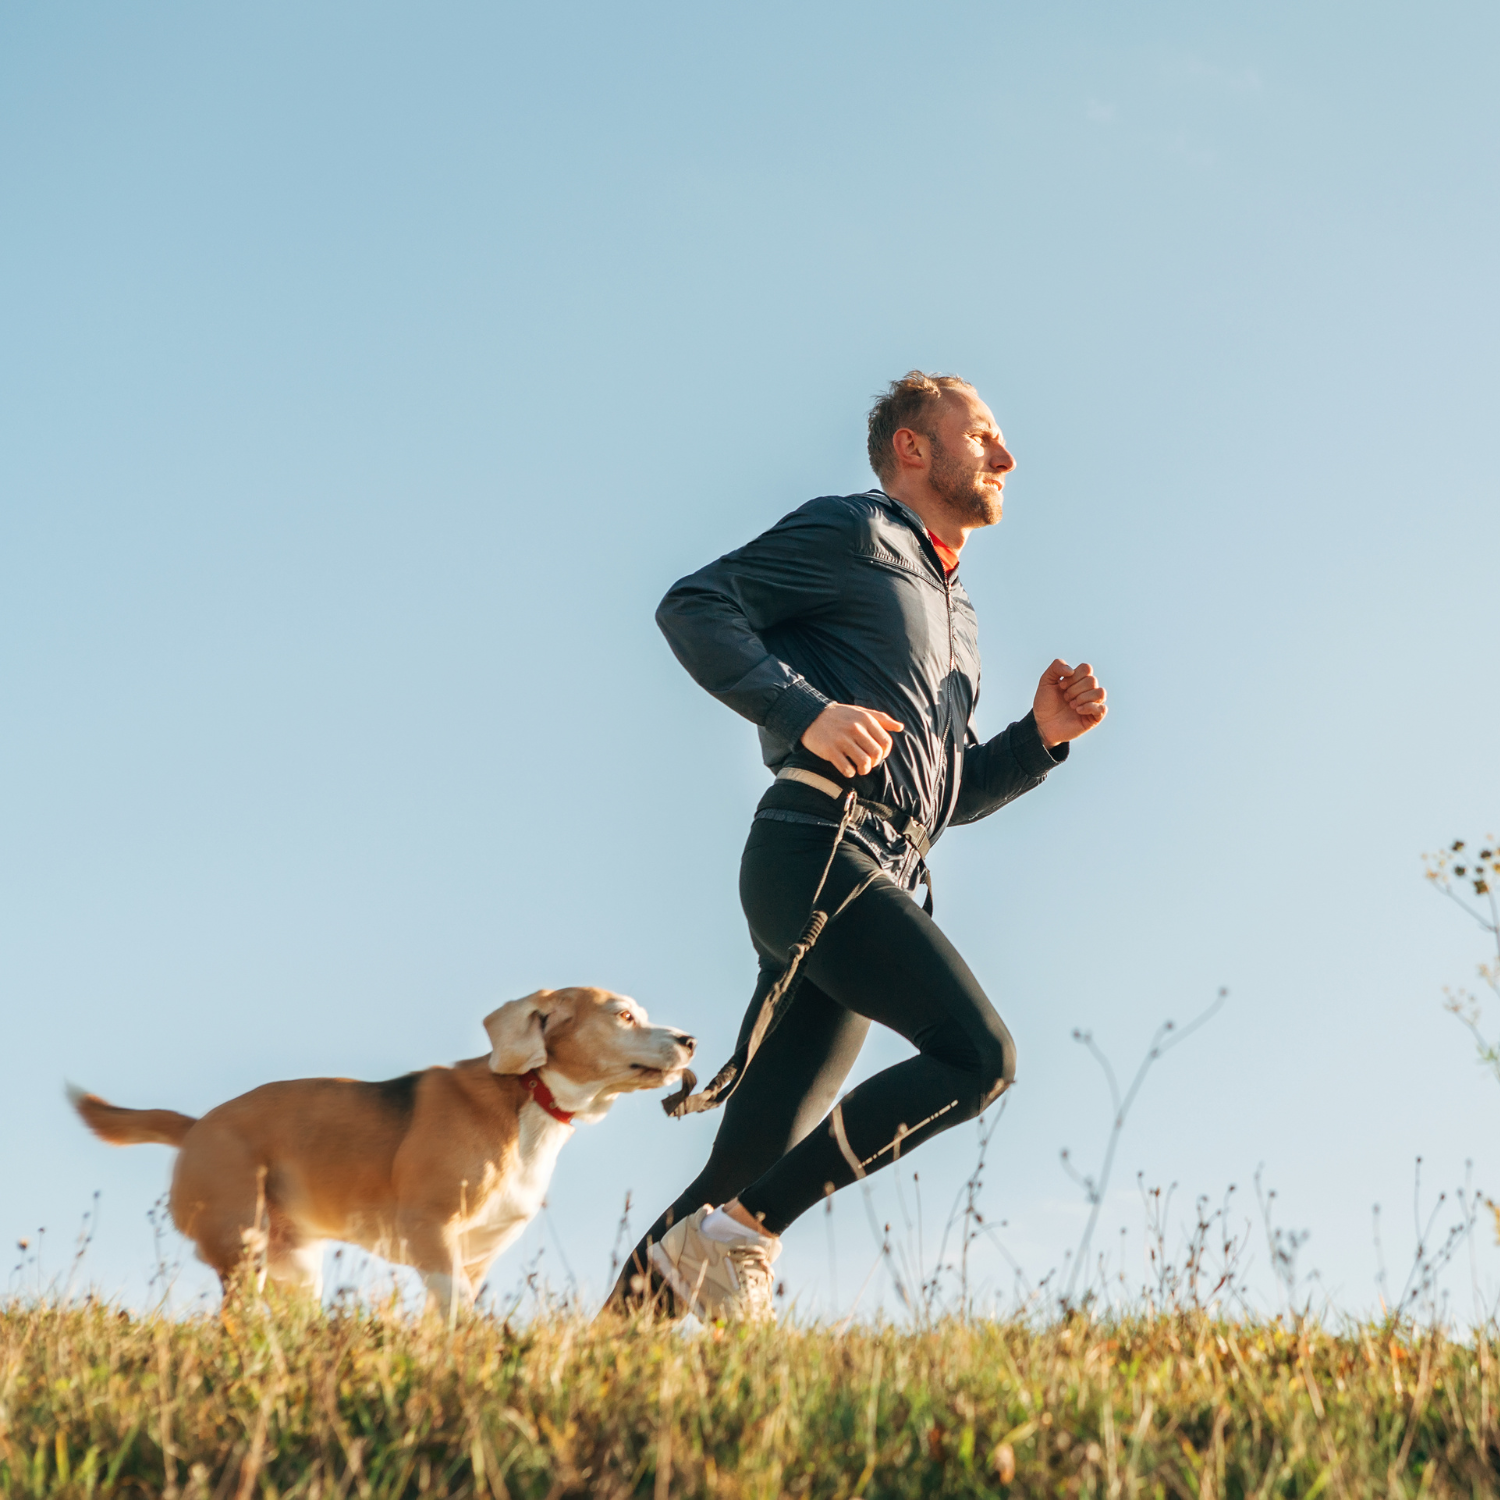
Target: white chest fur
{"type": "Point", "coordinates": [504, 1206]}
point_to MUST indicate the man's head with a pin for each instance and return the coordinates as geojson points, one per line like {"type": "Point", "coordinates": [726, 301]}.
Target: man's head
{"type": "Point", "coordinates": [932, 438]}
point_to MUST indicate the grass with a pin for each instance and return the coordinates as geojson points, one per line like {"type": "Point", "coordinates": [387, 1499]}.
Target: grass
{"type": "Point", "coordinates": [361, 1401]}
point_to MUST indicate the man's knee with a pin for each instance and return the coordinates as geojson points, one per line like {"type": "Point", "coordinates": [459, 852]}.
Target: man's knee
{"type": "Point", "coordinates": [987, 1055]}
{"type": "Point", "coordinates": [997, 1068]}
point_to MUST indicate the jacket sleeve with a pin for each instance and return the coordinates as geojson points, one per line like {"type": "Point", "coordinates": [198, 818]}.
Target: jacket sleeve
{"type": "Point", "coordinates": [713, 618]}
{"type": "Point", "coordinates": [1002, 769]}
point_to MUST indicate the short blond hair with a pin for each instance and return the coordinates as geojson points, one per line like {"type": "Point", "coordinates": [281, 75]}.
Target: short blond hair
{"type": "Point", "coordinates": [907, 402]}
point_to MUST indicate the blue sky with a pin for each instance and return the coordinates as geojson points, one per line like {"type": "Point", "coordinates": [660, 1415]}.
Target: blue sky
{"type": "Point", "coordinates": [366, 375]}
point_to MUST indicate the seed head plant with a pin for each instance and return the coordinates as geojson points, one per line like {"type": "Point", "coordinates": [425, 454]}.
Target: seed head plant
{"type": "Point", "coordinates": [1469, 878]}
{"type": "Point", "coordinates": [1454, 873]}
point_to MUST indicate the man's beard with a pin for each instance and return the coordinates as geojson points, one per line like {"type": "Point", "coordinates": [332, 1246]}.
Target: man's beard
{"type": "Point", "coordinates": [962, 488]}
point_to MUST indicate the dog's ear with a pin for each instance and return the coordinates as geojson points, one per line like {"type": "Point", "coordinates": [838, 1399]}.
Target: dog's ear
{"type": "Point", "coordinates": [517, 1032]}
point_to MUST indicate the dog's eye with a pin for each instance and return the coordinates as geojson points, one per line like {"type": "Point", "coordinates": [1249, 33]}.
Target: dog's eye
{"type": "Point", "coordinates": [626, 1019]}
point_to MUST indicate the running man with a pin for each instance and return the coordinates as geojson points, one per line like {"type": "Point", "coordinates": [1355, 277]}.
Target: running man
{"type": "Point", "coordinates": [845, 635]}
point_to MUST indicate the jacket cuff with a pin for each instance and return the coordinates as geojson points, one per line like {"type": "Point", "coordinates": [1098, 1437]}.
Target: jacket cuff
{"type": "Point", "coordinates": [1031, 754]}
{"type": "Point", "coordinates": [794, 710]}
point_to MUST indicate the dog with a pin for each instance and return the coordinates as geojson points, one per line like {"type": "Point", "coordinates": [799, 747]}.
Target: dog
{"type": "Point", "coordinates": [440, 1169]}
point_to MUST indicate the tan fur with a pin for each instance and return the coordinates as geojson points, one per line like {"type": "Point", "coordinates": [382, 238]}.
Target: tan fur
{"type": "Point", "coordinates": [442, 1185]}
{"type": "Point", "coordinates": [131, 1127]}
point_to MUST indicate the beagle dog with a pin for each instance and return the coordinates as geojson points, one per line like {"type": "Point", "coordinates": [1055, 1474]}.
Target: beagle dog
{"type": "Point", "coordinates": [440, 1170]}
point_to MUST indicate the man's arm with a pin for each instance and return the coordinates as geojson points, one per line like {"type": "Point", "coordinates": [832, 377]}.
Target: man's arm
{"type": "Point", "coordinates": [1002, 769]}
{"type": "Point", "coordinates": [713, 618]}
{"type": "Point", "coordinates": [1069, 702]}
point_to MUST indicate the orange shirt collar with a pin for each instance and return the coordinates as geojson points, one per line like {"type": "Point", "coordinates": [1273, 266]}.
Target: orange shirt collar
{"type": "Point", "coordinates": [946, 555]}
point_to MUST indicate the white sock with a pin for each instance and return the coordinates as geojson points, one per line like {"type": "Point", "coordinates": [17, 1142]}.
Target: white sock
{"type": "Point", "coordinates": [719, 1226]}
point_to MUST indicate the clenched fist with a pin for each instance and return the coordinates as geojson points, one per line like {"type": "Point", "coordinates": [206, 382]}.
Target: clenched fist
{"type": "Point", "coordinates": [852, 740]}
{"type": "Point", "coordinates": [1069, 702]}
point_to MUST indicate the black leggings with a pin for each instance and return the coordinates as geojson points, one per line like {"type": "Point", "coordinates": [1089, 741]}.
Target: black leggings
{"type": "Point", "coordinates": [885, 960]}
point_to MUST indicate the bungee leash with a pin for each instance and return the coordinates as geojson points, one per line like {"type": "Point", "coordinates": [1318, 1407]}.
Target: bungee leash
{"type": "Point", "coordinates": [779, 997]}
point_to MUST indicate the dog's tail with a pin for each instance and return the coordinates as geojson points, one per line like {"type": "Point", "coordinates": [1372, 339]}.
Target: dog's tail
{"type": "Point", "coordinates": [130, 1127]}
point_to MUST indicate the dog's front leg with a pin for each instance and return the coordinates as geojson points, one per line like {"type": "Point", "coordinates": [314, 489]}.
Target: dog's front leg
{"type": "Point", "coordinates": [449, 1293]}
{"type": "Point", "coordinates": [433, 1249]}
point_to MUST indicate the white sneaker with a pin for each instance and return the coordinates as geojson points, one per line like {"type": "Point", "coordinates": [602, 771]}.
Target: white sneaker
{"type": "Point", "coordinates": [714, 1279]}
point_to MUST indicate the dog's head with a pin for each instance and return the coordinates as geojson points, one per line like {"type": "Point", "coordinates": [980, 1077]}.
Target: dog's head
{"type": "Point", "coordinates": [600, 1043]}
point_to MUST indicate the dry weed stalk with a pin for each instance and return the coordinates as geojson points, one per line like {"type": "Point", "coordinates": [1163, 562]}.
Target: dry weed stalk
{"type": "Point", "coordinates": [1449, 870]}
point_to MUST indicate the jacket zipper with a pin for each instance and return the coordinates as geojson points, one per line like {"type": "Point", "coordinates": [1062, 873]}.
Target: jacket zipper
{"type": "Point", "coordinates": [948, 595]}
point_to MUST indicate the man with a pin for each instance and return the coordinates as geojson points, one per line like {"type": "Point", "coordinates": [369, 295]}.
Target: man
{"type": "Point", "coordinates": [844, 634]}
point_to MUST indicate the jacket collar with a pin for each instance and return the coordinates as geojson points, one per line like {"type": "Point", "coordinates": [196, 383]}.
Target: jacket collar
{"type": "Point", "coordinates": [917, 524]}
{"type": "Point", "coordinates": [532, 1083]}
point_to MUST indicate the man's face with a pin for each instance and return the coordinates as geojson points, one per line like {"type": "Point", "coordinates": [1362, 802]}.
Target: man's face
{"type": "Point", "coordinates": [969, 459]}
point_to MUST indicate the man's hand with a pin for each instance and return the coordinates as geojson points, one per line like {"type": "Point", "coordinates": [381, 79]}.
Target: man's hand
{"type": "Point", "coordinates": [1069, 702]}
{"type": "Point", "coordinates": [852, 740]}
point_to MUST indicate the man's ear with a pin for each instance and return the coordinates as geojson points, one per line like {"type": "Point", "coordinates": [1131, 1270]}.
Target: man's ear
{"type": "Point", "coordinates": [517, 1033]}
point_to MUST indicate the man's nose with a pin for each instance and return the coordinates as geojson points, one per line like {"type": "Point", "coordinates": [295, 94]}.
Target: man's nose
{"type": "Point", "coordinates": [1002, 459]}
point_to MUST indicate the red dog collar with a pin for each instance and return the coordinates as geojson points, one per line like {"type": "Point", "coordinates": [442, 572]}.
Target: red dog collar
{"type": "Point", "coordinates": [543, 1096]}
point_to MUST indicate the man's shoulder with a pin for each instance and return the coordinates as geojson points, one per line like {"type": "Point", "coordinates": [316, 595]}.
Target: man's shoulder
{"type": "Point", "coordinates": [868, 520]}
{"type": "Point", "coordinates": [875, 527]}
{"type": "Point", "coordinates": [842, 509]}
{"type": "Point", "coordinates": [867, 525]}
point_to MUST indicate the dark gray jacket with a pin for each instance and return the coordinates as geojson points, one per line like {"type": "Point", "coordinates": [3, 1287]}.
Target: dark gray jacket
{"type": "Point", "coordinates": [845, 600]}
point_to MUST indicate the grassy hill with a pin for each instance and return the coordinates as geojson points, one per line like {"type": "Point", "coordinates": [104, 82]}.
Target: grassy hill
{"type": "Point", "coordinates": [94, 1401]}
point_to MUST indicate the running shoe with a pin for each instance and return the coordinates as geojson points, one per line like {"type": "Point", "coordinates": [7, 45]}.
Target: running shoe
{"type": "Point", "coordinates": [716, 1280]}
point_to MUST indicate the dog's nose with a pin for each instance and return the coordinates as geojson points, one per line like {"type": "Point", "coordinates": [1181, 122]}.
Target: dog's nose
{"type": "Point", "coordinates": [687, 1043]}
